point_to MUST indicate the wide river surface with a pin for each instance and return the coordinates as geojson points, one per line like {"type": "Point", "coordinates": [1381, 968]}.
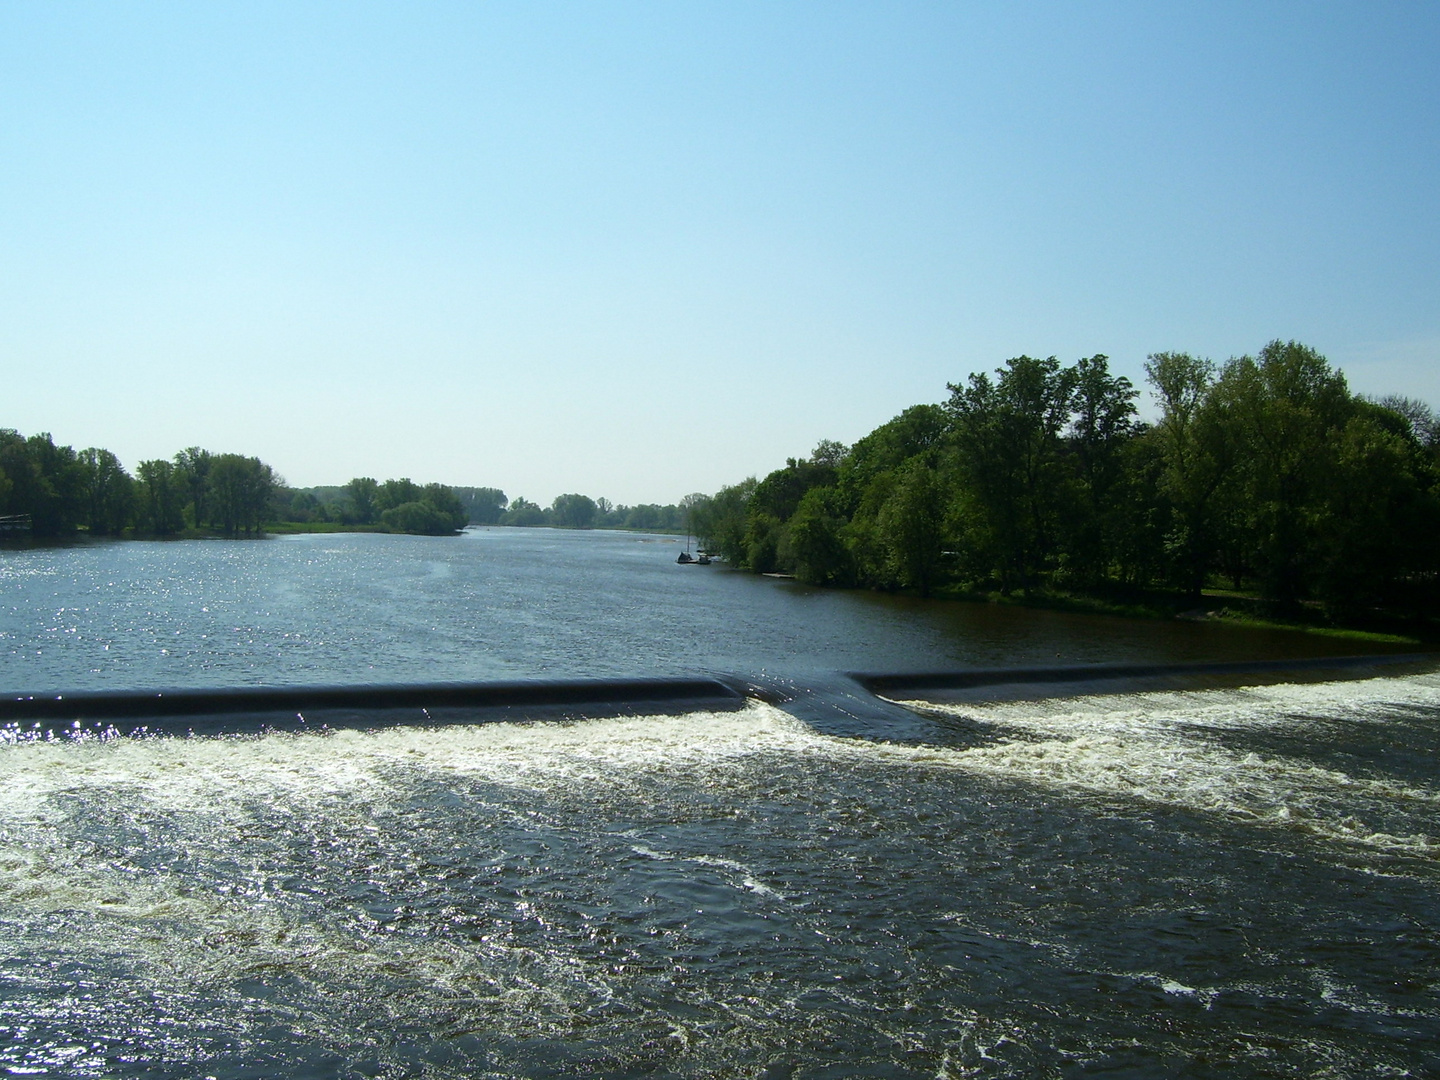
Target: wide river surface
{"type": "Point", "coordinates": [1198, 882]}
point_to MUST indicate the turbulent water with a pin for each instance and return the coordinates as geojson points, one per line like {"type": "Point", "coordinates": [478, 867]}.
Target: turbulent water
{"type": "Point", "coordinates": [1222, 882]}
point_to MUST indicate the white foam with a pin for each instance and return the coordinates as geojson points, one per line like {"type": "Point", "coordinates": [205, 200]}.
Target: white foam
{"type": "Point", "coordinates": [199, 775]}
{"type": "Point", "coordinates": [204, 789]}
{"type": "Point", "coordinates": [1159, 747]}
{"type": "Point", "coordinates": [1149, 747]}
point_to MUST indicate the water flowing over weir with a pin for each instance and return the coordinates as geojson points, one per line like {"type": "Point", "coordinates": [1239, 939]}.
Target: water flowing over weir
{"type": "Point", "coordinates": [1187, 870]}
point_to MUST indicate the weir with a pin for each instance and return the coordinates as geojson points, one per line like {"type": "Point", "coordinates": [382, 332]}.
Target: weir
{"type": "Point", "coordinates": [852, 705]}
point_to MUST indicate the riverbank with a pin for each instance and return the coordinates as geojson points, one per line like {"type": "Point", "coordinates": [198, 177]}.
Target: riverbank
{"type": "Point", "coordinates": [1221, 607]}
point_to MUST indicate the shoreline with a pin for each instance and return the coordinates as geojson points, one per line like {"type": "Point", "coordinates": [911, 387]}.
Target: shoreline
{"type": "Point", "coordinates": [1221, 607]}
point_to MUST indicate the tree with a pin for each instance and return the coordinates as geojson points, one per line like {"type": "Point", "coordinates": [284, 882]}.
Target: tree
{"type": "Point", "coordinates": [109, 492]}
{"type": "Point", "coordinates": [829, 452]}
{"type": "Point", "coordinates": [397, 493]}
{"type": "Point", "coordinates": [573, 511]}
{"type": "Point", "coordinates": [920, 430]}
{"type": "Point", "coordinates": [1102, 424]}
{"type": "Point", "coordinates": [1287, 408]}
{"type": "Point", "coordinates": [193, 474]}
{"type": "Point", "coordinates": [780, 493]}
{"type": "Point", "coordinates": [47, 482]}
{"type": "Point", "coordinates": [161, 497]}
{"type": "Point", "coordinates": [361, 493]}
{"type": "Point", "coordinates": [486, 505]}
{"type": "Point", "coordinates": [416, 517]}
{"type": "Point", "coordinates": [523, 512]}
{"type": "Point", "coordinates": [1373, 530]}
{"type": "Point", "coordinates": [300, 505]}
{"type": "Point", "coordinates": [652, 517]}
{"type": "Point", "coordinates": [240, 490]}
{"type": "Point", "coordinates": [720, 524]}
{"type": "Point", "coordinates": [912, 527]}
{"type": "Point", "coordinates": [1008, 436]}
{"type": "Point", "coordinates": [447, 504]}
{"type": "Point", "coordinates": [764, 534]}
{"type": "Point", "coordinates": [772, 503]}
{"type": "Point", "coordinates": [816, 548]}
{"type": "Point", "coordinates": [1197, 454]}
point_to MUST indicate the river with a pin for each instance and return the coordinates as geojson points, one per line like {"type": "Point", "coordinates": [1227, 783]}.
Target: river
{"type": "Point", "coordinates": [1190, 881]}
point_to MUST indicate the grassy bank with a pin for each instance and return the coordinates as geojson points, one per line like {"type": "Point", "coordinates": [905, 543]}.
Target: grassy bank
{"type": "Point", "coordinates": [1225, 607]}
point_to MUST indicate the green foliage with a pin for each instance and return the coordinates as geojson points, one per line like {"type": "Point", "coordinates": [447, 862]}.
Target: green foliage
{"type": "Point", "coordinates": [46, 483]}
{"type": "Point", "coordinates": [483, 505]}
{"type": "Point", "coordinates": [763, 534]}
{"type": "Point", "coordinates": [162, 496]}
{"type": "Point", "coordinates": [1008, 434]}
{"type": "Point", "coordinates": [1102, 426]}
{"type": "Point", "coordinates": [58, 492]}
{"type": "Point", "coordinates": [239, 493]}
{"type": "Point", "coordinates": [523, 512]}
{"type": "Point", "coordinates": [1196, 453]}
{"type": "Point", "coordinates": [779, 494]}
{"type": "Point", "coordinates": [446, 503]}
{"type": "Point", "coordinates": [573, 511]}
{"type": "Point", "coordinates": [362, 493]}
{"type": "Point", "coordinates": [816, 547]}
{"type": "Point", "coordinates": [721, 523]}
{"type": "Point", "coordinates": [911, 526]}
{"type": "Point", "coordinates": [1040, 477]}
{"type": "Point", "coordinates": [393, 493]}
{"type": "Point", "coordinates": [109, 492]}
{"type": "Point", "coordinates": [434, 510]}
{"type": "Point", "coordinates": [192, 469]}
{"type": "Point", "coordinates": [1285, 410]}
{"type": "Point", "coordinates": [649, 517]}
{"type": "Point", "coordinates": [750, 524]}
{"type": "Point", "coordinates": [920, 431]}
{"type": "Point", "coordinates": [300, 506]}
{"type": "Point", "coordinates": [417, 517]}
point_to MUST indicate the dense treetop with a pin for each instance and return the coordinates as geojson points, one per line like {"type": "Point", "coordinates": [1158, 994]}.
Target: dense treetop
{"type": "Point", "coordinates": [1263, 473]}
{"type": "Point", "coordinates": [51, 491]}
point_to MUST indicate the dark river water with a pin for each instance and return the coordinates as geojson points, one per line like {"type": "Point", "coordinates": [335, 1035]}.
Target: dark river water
{"type": "Point", "coordinates": [505, 604]}
{"type": "Point", "coordinates": [1203, 882]}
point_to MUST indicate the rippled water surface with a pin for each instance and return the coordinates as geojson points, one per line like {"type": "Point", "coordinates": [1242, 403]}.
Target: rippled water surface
{"type": "Point", "coordinates": [1202, 883]}
{"type": "Point", "coordinates": [503, 603]}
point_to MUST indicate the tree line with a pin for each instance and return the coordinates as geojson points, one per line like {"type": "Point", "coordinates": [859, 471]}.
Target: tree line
{"type": "Point", "coordinates": [575, 511]}
{"type": "Point", "coordinates": [357, 503]}
{"type": "Point", "coordinates": [1263, 474]}
{"type": "Point", "coordinates": [54, 491]}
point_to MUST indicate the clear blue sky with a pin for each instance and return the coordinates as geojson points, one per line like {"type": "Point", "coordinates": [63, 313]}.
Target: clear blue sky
{"type": "Point", "coordinates": [637, 250]}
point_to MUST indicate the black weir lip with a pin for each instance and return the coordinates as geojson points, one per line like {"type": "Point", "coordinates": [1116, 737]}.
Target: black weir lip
{"type": "Point", "coordinates": [991, 684]}
{"type": "Point", "coordinates": [863, 705]}
{"type": "Point", "coordinates": [257, 709]}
